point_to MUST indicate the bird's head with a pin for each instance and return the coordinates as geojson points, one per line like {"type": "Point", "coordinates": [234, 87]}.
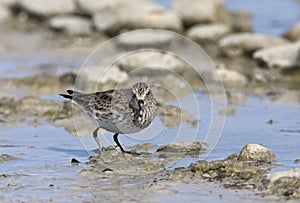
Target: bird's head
{"type": "Point", "coordinates": [140, 90]}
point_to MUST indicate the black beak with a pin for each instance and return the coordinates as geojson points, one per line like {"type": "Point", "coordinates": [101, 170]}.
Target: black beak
{"type": "Point", "coordinates": [141, 105]}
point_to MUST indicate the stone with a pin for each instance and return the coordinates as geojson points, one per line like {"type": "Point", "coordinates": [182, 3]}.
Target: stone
{"type": "Point", "coordinates": [48, 8]}
{"type": "Point", "coordinates": [293, 33]}
{"type": "Point", "coordinates": [91, 7]}
{"type": "Point", "coordinates": [102, 74]}
{"type": "Point", "coordinates": [107, 22]}
{"type": "Point", "coordinates": [153, 60]}
{"type": "Point", "coordinates": [256, 152]}
{"type": "Point", "coordinates": [146, 38]}
{"type": "Point", "coordinates": [7, 157]}
{"type": "Point", "coordinates": [229, 77]}
{"type": "Point", "coordinates": [172, 116]}
{"type": "Point", "coordinates": [246, 43]}
{"type": "Point", "coordinates": [207, 33]}
{"type": "Point", "coordinates": [34, 106]}
{"type": "Point", "coordinates": [265, 76]}
{"type": "Point", "coordinates": [283, 57]}
{"type": "Point", "coordinates": [184, 147]}
{"type": "Point", "coordinates": [9, 3]}
{"type": "Point", "coordinates": [281, 183]}
{"type": "Point", "coordinates": [5, 14]}
{"type": "Point", "coordinates": [74, 25]}
{"type": "Point", "coordinates": [195, 11]}
{"type": "Point", "coordinates": [240, 21]}
{"type": "Point", "coordinates": [144, 14]}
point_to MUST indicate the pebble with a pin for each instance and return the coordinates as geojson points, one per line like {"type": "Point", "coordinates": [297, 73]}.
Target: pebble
{"type": "Point", "coordinates": [194, 11]}
{"type": "Point", "coordinates": [256, 152]}
{"type": "Point", "coordinates": [283, 57]}
{"type": "Point", "coordinates": [73, 25]}
{"type": "Point", "coordinates": [293, 33]}
{"type": "Point", "coordinates": [47, 8]}
{"type": "Point", "coordinates": [207, 33]}
{"type": "Point", "coordinates": [246, 43]}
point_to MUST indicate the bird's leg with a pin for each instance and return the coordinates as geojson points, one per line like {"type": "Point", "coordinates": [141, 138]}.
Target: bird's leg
{"type": "Point", "coordinates": [117, 141]}
{"type": "Point", "coordinates": [119, 145]}
{"type": "Point", "coordinates": [95, 135]}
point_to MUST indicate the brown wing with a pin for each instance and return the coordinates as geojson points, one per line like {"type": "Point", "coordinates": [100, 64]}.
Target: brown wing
{"type": "Point", "coordinates": [99, 101]}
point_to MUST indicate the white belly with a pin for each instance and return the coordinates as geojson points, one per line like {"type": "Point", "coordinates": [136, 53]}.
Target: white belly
{"type": "Point", "coordinates": [121, 127]}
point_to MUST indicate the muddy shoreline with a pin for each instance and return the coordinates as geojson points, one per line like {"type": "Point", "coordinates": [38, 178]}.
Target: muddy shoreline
{"type": "Point", "coordinates": [43, 157]}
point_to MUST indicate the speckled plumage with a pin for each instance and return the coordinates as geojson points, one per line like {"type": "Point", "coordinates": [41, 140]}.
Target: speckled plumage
{"type": "Point", "coordinates": [121, 111]}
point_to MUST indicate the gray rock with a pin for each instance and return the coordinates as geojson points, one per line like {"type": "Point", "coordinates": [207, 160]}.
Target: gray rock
{"type": "Point", "coordinates": [102, 74]}
{"type": "Point", "coordinates": [107, 22]}
{"type": "Point", "coordinates": [152, 60]}
{"type": "Point", "coordinates": [9, 3]}
{"type": "Point", "coordinates": [256, 152]}
{"type": "Point", "coordinates": [5, 14]}
{"type": "Point", "coordinates": [284, 56]}
{"type": "Point", "coordinates": [6, 157]}
{"type": "Point", "coordinates": [184, 147]}
{"type": "Point", "coordinates": [236, 97]}
{"type": "Point", "coordinates": [246, 43]}
{"type": "Point", "coordinates": [172, 116]}
{"type": "Point", "coordinates": [147, 38]}
{"type": "Point", "coordinates": [281, 183]}
{"type": "Point", "coordinates": [293, 33]}
{"type": "Point", "coordinates": [46, 8]}
{"type": "Point", "coordinates": [229, 77]}
{"type": "Point", "coordinates": [93, 6]}
{"type": "Point", "coordinates": [71, 24]}
{"type": "Point", "coordinates": [240, 21]}
{"type": "Point", "coordinates": [195, 11]}
{"type": "Point", "coordinates": [264, 76]}
{"type": "Point", "coordinates": [144, 14]}
{"type": "Point", "coordinates": [207, 33]}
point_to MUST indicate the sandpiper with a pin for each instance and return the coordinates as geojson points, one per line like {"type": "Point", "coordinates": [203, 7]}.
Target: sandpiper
{"type": "Point", "coordinates": [121, 111]}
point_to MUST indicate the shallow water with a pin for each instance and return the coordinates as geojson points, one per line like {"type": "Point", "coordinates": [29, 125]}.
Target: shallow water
{"type": "Point", "coordinates": [45, 151]}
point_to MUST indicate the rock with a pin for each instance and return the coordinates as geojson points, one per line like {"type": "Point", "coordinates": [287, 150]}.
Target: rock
{"type": "Point", "coordinates": [172, 116]}
{"type": "Point", "coordinates": [7, 105]}
{"type": "Point", "coordinates": [240, 21]}
{"type": "Point", "coordinates": [144, 14]}
{"type": "Point", "coordinates": [265, 76]}
{"type": "Point", "coordinates": [107, 22]}
{"type": "Point", "coordinates": [281, 183]}
{"type": "Point", "coordinates": [145, 38]}
{"type": "Point", "coordinates": [152, 60]}
{"type": "Point", "coordinates": [34, 106]}
{"type": "Point", "coordinates": [191, 147]}
{"type": "Point", "coordinates": [48, 8]}
{"type": "Point", "coordinates": [101, 74]}
{"type": "Point", "coordinates": [71, 24]}
{"type": "Point", "coordinates": [256, 152]}
{"type": "Point", "coordinates": [195, 11]}
{"type": "Point", "coordinates": [121, 163]}
{"type": "Point", "coordinates": [9, 3]}
{"type": "Point", "coordinates": [229, 77]}
{"type": "Point", "coordinates": [236, 97]}
{"type": "Point", "coordinates": [225, 170]}
{"type": "Point", "coordinates": [91, 7]}
{"type": "Point", "coordinates": [246, 43]}
{"type": "Point", "coordinates": [293, 33]}
{"type": "Point", "coordinates": [6, 157]}
{"type": "Point", "coordinates": [4, 14]}
{"type": "Point", "coordinates": [210, 33]}
{"type": "Point", "coordinates": [283, 57]}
